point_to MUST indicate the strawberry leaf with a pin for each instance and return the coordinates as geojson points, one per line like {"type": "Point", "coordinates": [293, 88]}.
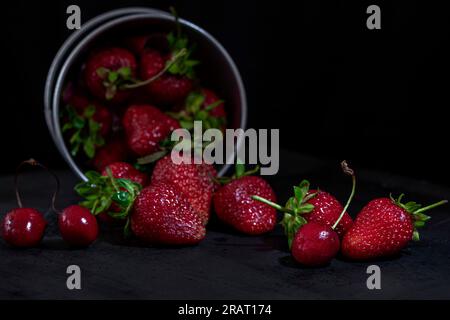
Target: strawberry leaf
{"type": "Point", "coordinates": [416, 211]}
{"type": "Point", "coordinates": [85, 131]}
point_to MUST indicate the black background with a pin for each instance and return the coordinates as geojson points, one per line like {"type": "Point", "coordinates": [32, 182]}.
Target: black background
{"type": "Point", "coordinates": [334, 88]}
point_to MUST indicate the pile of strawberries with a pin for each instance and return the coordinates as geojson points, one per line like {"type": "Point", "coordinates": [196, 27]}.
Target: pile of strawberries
{"type": "Point", "coordinates": [128, 98]}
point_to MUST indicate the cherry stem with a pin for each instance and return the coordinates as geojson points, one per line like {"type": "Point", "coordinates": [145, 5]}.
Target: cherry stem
{"type": "Point", "coordinates": [272, 204]}
{"type": "Point", "coordinates": [347, 170]}
{"type": "Point", "coordinates": [431, 206]}
{"type": "Point", "coordinates": [170, 63]}
{"type": "Point", "coordinates": [34, 163]}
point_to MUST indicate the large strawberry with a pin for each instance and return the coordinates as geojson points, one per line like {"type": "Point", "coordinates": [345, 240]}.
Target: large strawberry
{"type": "Point", "coordinates": [145, 127]}
{"type": "Point", "coordinates": [234, 205]}
{"type": "Point", "coordinates": [383, 228]}
{"type": "Point", "coordinates": [107, 71]}
{"type": "Point", "coordinates": [313, 206]}
{"type": "Point", "coordinates": [163, 215]}
{"type": "Point", "coordinates": [157, 214]}
{"type": "Point", "coordinates": [195, 181]}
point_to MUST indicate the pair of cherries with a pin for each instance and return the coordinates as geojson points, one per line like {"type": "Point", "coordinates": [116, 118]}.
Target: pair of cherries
{"type": "Point", "coordinates": [25, 227]}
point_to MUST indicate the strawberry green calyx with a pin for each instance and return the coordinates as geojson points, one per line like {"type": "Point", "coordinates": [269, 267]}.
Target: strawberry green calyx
{"type": "Point", "coordinates": [416, 211]}
{"type": "Point", "coordinates": [114, 79]}
{"type": "Point", "coordinates": [101, 192]}
{"type": "Point", "coordinates": [293, 210]}
{"type": "Point", "coordinates": [86, 131]}
{"type": "Point", "coordinates": [194, 112]}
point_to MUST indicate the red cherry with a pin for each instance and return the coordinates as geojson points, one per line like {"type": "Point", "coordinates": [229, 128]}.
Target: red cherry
{"type": "Point", "coordinates": [315, 244]}
{"type": "Point", "coordinates": [23, 227]}
{"type": "Point", "coordinates": [78, 226]}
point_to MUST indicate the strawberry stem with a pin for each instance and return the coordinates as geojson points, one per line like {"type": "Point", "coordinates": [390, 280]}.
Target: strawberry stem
{"type": "Point", "coordinates": [169, 64]}
{"type": "Point", "coordinates": [347, 170]}
{"type": "Point", "coordinates": [34, 163]}
{"type": "Point", "coordinates": [272, 204]}
{"type": "Point", "coordinates": [431, 206]}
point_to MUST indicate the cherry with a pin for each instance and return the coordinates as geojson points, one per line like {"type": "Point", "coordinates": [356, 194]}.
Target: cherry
{"type": "Point", "coordinates": [23, 227]}
{"type": "Point", "coordinates": [78, 226]}
{"type": "Point", "coordinates": [315, 244]}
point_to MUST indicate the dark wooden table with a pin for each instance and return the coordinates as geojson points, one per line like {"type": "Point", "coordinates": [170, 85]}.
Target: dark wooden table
{"type": "Point", "coordinates": [227, 265]}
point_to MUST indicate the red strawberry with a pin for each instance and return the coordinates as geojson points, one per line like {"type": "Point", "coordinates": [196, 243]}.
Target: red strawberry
{"type": "Point", "coordinates": [114, 151]}
{"type": "Point", "coordinates": [170, 89]}
{"type": "Point", "coordinates": [145, 127]}
{"type": "Point", "coordinates": [163, 215]}
{"type": "Point", "coordinates": [78, 227]}
{"type": "Point", "coordinates": [195, 181]}
{"type": "Point", "coordinates": [107, 70]}
{"type": "Point", "coordinates": [125, 170]}
{"type": "Point", "coordinates": [326, 211]}
{"type": "Point", "coordinates": [315, 244]}
{"type": "Point", "coordinates": [23, 227]}
{"type": "Point", "coordinates": [167, 89]}
{"type": "Point", "coordinates": [383, 228]}
{"type": "Point", "coordinates": [151, 63]}
{"type": "Point", "coordinates": [234, 205]}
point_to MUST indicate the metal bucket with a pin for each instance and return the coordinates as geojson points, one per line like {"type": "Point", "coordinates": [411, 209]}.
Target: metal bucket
{"type": "Point", "coordinates": [214, 57]}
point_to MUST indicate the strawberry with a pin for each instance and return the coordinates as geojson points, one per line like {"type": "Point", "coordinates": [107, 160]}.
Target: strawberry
{"type": "Point", "coordinates": [233, 203]}
{"type": "Point", "coordinates": [170, 89]}
{"type": "Point", "coordinates": [145, 127]}
{"type": "Point", "coordinates": [115, 150]}
{"type": "Point", "coordinates": [195, 181]}
{"type": "Point", "coordinates": [78, 227]}
{"type": "Point", "coordinates": [313, 206]}
{"type": "Point", "coordinates": [383, 228]}
{"type": "Point", "coordinates": [157, 214]}
{"type": "Point", "coordinates": [107, 71]}
{"type": "Point", "coordinates": [126, 171]}
{"type": "Point", "coordinates": [326, 209]}
{"type": "Point", "coordinates": [23, 227]}
{"type": "Point", "coordinates": [163, 215]}
{"type": "Point", "coordinates": [315, 244]}
{"type": "Point", "coordinates": [174, 85]}
{"type": "Point", "coordinates": [151, 63]}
